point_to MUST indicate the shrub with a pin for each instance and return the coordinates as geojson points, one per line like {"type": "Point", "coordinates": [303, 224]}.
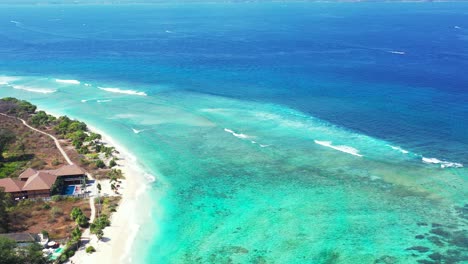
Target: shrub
{"type": "Point", "coordinates": [112, 163]}
{"type": "Point", "coordinates": [84, 161]}
{"type": "Point", "coordinates": [56, 211]}
{"type": "Point", "coordinates": [57, 187]}
{"type": "Point", "coordinates": [46, 206]}
{"type": "Point", "coordinates": [99, 234]}
{"type": "Point", "coordinates": [72, 199]}
{"type": "Point", "coordinates": [100, 164]}
{"type": "Point", "coordinates": [25, 203]}
{"type": "Point", "coordinates": [57, 198]}
{"type": "Point", "coordinates": [75, 213]}
{"type": "Point", "coordinates": [55, 162]}
{"type": "Point", "coordinates": [90, 249]}
{"type": "Point", "coordinates": [45, 233]}
{"type": "Point", "coordinates": [38, 164]}
{"type": "Point", "coordinates": [76, 233]}
{"type": "Point", "coordinates": [82, 221]}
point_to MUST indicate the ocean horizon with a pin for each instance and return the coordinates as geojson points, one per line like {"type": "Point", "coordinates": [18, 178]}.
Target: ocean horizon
{"type": "Point", "coordinates": [267, 132]}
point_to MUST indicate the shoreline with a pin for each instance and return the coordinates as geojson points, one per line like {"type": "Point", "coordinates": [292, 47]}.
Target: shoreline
{"type": "Point", "coordinates": [121, 235]}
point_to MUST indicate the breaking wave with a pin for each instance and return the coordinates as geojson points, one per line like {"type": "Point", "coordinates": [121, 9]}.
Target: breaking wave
{"type": "Point", "coordinates": [397, 52]}
{"type": "Point", "coordinates": [5, 80]}
{"type": "Point", "coordinates": [242, 136]}
{"type": "Point", "coordinates": [443, 164]}
{"type": "Point", "coordinates": [122, 91]}
{"type": "Point", "coordinates": [33, 89]}
{"type": "Point", "coordinates": [68, 81]}
{"type": "Point", "coordinates": [404, 151]}
{"type": "Point", "coordinates": [345, 149]}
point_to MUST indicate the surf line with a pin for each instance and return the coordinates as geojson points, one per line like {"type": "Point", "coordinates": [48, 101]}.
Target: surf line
{"type": "Point", "coordinates": [345, 149]}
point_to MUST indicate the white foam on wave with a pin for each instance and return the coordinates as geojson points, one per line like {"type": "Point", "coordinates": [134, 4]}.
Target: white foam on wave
{"type": "Point", "coordinates": [457, 27]}
{"type": "Point", "coordinates": [345, 149]}
{"type": "Point", "coordinates": [138, 131]}
{"type": "Point", "coordinates": [443, 164]}
{"type": "Point", "coordinates": [87, 84]}
{"type": "Point", "coordinates": [84, 101]}
{"type": "Point", "coordinates": [104, 101]}
{"type": "Point", "coordinates": [150, 178]}
{"type": "Point", "coordinates": [15, 22]}
{"type": "Point", "coordinates": [397, 52]}
{"type": "Point", "coordinates": [67, 81]}
{"type": "Point", "coordinates": [399, 149]}
{"type": "Point", "coordinates": [124, 116]}
{"type": "Point", "coordinates": [237, 135]}
{"type": "Point", "coordinates": [122, 91]}
{"type": "Point", "coordinates": [33, 89]}
{"type": "Point", "coordinates": [5, 80]}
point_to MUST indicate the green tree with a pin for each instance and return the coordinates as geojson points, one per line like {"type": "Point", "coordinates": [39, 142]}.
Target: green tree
{"type": "Point", "coordinates": [6, 138]}
{"type": "Point", "coordinates": [82, 221]}
{"type": "Point", "coordinates": [19, 107]}
{"type": "Point", "coordinates": [100, 164]}
{"type": "Point", "coordinates": [41, 118]}
{"type": "Point", "coordinates": [32, 254]}
{"type": "Point", "coordinates": [10, 254]}
{"type": "Point", "coordinates": [5, 202]}
{"type": "Point", "coordinates": [75, 213]}
{"type": "Point", "coordinates": [93, 136]}
{"type": "Point", "coordinates": [76, 233]}
{"type": "Point", "coordinates": [7, 251]}
{"type": "Point", "coordinates": [57, 187]}
{"type": "Point", "coordinates": [99, 187]}
{"type": "Point", "coordinates": [76, 126]}
{"type": "Point", "coordinates": [99, 234]}
{"type": "Point", "coordinates": [112, 163]}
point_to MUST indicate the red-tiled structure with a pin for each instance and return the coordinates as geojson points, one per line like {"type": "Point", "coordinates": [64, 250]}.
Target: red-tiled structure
{"type": "Point", "coordinates": [37, 184]}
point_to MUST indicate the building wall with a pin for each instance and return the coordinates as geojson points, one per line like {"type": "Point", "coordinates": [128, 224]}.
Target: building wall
{"type": "Point", "coordinates": [38, 194]}
{"type": "Point", "coordinates": [17, 194]}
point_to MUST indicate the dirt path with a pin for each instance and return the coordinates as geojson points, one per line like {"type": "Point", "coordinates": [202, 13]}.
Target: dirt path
{"type": "Point", "coordinates": [65, 156]}
{"type": "Point", "coordinates": [57, 143]}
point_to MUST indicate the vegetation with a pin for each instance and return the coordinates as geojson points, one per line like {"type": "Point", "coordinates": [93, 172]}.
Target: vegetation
{"type": "Point", "coordinates": [11, 254]}
{"type": "Point", "coordinates": [16, 141]}
{"type": "Point", "coordinates": [57, 187]}
{"type": "Point", "coordinates": [6, 137]}
{"type": "Point", "coordinates": [79, 217]}
{"type": "Point", "coordinates": [112, 163]}
{"type": "Point", "coordinates": [90, 249]}
{"type": "Point", "coordinates": [13, 106]}
{"type": "Point", "coordinates": [92, 153]}
{"type": "Point", "coordinates": [35, 216]}
{"type": "Point", "coordinates": [41, 119]}
{"type": "Point", "coordinates": [115, 174]}
{"type": "Point", "coordinates": [5, 202]}
{"type": "Point", "coordinates": [100, 164]}
{"type": "Point", "coordinates": [98, 225]}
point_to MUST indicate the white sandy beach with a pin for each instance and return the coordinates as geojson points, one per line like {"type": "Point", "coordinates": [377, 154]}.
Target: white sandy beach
{"type": "Point", "coordinates": [118, 238]}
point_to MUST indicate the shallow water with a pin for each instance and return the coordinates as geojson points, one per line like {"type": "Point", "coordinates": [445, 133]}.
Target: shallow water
{"type": "Point", "coordinates": [273, 143]}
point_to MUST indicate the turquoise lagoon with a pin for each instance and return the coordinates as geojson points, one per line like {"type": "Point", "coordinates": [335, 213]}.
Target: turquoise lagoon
{"type": "Point", "coordinates": [249, 182]}
{"type": "Point", "coordinates": [267, 132]}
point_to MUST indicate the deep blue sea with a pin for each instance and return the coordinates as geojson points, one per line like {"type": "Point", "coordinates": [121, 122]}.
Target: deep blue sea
{"type": "Point", "coordinates": [277, 132]}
